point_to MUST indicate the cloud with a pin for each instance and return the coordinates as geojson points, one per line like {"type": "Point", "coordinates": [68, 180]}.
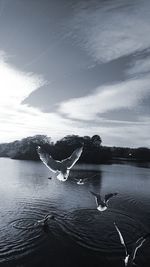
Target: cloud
{"type": "Point", "coordinates": [95, 110]}
{"type": "Point", "coordinates": [128, 135]}
{"type": "Point", "coordinates": [83, 116]}
{"type": "Point", "coordinates": [16, 85]}
{"type": "Point", "coordinates": [17, 120]}
{"type": "Point", "coordinates": [112, 29]}
{"type": "Point", "coordinates": [127, 94]}
{"type": "Point", "coordinates": [139, 66]}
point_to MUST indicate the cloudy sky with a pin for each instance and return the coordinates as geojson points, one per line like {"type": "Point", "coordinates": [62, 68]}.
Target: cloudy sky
{"type": "Point", "coordinates": [75, 67]}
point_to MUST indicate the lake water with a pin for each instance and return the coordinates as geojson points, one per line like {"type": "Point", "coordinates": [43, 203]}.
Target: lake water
{"type": "Point", "coordinates": [79, 235]}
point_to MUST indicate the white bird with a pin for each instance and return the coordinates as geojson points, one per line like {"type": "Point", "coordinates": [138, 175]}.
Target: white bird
{"type": "Point", "coordinates": [102, 205]}
{"type": "Point", "coordinates": [61, 168]}
{"type": "Point", "coordinates": [82, 181]}
{"type": "Point", "coordinates": [44, 221]}
{"type": "Point", "coordinates": [130, 257]}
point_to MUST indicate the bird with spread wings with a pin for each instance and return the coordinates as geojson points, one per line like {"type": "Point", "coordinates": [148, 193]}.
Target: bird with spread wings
{"type": "Point", "coordinates": [60, 168]}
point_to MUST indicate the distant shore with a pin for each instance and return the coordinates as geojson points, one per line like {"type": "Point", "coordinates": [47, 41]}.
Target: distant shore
{"type": "Point", "coordinates": [93, 150]}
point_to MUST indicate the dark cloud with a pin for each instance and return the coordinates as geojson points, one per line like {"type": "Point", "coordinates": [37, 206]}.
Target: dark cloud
{"type": "Point", "coordinates": [79, 83]}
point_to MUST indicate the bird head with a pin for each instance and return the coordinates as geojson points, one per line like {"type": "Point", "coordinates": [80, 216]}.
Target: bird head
{"type": "Point", "coordinates": [49, 216]}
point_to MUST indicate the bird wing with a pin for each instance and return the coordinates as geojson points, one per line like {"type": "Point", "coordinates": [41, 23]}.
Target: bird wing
{"type": "Point", "coordinates": [97, 198]}
{"type": "Point", "coordinates": [108, 196]}
{"type": "Point", "coordinates": [88, 178]}
{"type": "Point", "coordinates": [121, 239]}
{"type": "Point", "coordinates": [69, 162]}
{"type": "Point", "coordinates": [77, 179]}
{"type": "Point", "coordinates": [137, 245]}
{"type": "Point", "coordinates": [47, 159]}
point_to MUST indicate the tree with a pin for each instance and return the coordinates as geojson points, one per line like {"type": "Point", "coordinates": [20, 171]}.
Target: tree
{"type": "Point", "coordinates": [96, 140]}
{"type": "Point", "coordinates": [71, 140]}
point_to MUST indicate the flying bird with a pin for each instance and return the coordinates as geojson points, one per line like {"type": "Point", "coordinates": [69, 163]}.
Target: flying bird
{"type": "Point", "coordinates": [82, 181]}
{"type": "Point", "coordinates": [130, 257]}
{"type": "Point", "coordinates": [61, 168]}
{"type": "Point", "coordinates": [102, 204]}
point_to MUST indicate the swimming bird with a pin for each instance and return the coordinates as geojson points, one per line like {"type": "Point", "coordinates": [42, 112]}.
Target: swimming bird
{"type": "Point", "coordinates": [82, 181]}
{"type": "Point", "coordinates": [102, 204]}
{"type": "Point", "coordinates": [44, 221]}
{"type": "Point", "coordinates": [130, 257]}
{"type": "Point", "coordinates": [61, 168]}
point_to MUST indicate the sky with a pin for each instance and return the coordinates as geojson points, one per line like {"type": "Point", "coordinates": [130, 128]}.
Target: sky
{"type": "Point", "coordinates": [75, 67]}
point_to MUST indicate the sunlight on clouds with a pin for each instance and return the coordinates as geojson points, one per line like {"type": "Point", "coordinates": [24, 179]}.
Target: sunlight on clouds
{"type": "Point", "coordinates": [18, 120]}
{"type": "Point", "coordinates": [127, 94]}
{"type": "Point", "coordinates": [16, 85]}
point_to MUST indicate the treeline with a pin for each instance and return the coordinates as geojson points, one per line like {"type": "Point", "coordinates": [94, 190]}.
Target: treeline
{"type": "Point", "coordinates": [93, 151]}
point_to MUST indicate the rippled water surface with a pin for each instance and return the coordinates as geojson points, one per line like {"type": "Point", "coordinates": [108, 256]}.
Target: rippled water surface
{"type": "Point", "coordinates": [79, 235]}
